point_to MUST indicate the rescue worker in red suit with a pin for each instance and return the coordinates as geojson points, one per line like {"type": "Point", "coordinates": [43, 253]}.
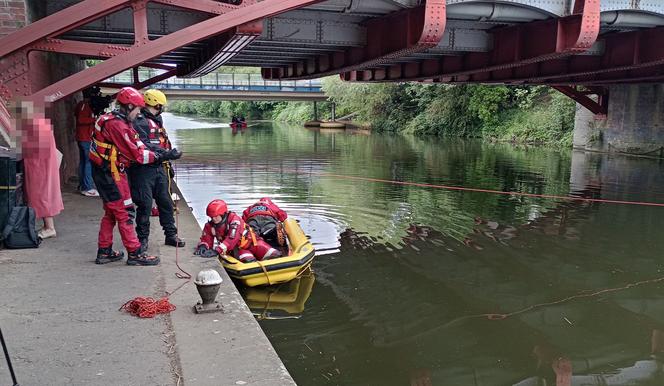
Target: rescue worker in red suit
{"type": "Point", "coordinates": [153, 181]}
{"type": "Point", "coordinates": [115, 145]}
{"type": "Point", "coordinates": [233, 235]}
{"type": "Point", "coordinates": [85, 125]}
{"type": "Point", "coordinates": [266, 219]}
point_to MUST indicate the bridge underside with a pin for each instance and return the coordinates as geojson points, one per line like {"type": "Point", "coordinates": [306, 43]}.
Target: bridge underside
{"type": "Point", "coordinates": [232, 95]}
{"type": "Point", "coordinates": [582, 42]}
{"type": "Point", "coordinates": [578, 46]}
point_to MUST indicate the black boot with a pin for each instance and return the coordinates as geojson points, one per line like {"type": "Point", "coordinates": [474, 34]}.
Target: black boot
{"type": "Point", "coordinates": [108, 255]}
{"type": "Point", "coordinates": [174, 241]}
{"type": "Point", "coordinates": [138, 257]}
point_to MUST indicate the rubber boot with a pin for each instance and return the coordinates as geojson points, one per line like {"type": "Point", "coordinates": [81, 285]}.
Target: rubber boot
{"type": "Point", "coordinates": [138, 257]}
{"type": "Point", "coordinates": [108, 255]}
{"type": "Point", "coordinates": [174, 241]}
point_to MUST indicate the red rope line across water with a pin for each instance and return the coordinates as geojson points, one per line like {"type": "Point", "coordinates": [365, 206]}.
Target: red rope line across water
{"type": "Point", "coordinates": [498, 316]}
{"type": "Point", "coordinates": [492, 191]}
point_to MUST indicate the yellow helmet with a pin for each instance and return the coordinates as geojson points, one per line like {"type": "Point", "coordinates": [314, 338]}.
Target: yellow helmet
{"type": "Point", "coordinates": [154, 97]}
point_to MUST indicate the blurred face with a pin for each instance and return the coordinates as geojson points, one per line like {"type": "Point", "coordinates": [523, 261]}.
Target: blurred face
{"type": "Point", "coordinates": [216, 219]}
{"type": "Point", "coordinates": [133, 112]}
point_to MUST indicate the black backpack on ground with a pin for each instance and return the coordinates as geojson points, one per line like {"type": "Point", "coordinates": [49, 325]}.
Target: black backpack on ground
{"type": "Point", "coordinates": [20, 229]}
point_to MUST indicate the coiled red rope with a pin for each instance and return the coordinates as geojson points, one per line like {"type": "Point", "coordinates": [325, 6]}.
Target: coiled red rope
{"type": "Point", "coordinates": [148, 307]}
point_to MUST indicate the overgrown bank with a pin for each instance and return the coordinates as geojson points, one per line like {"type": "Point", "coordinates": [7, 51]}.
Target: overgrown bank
{"type": "Point", "coordinates": [532, 114]}
{"type": "Point", "coordinates": [529, 114]}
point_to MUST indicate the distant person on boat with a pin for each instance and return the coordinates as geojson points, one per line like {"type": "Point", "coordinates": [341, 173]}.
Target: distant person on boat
{"type": "Point", "coordinates": [266, 219]}
{"type": "Point", "coordinates": [233, 235]}
{"type": "Point", "coordinates": [234, 120]}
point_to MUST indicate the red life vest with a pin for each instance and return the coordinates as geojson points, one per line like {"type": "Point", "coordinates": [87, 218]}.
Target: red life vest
{"type": "Point", "coordinates": [157, 135]}
{"type": "Point", "coordinates": [219, 231]}
{"type": "Point", "coordinates": [85, 122]}
{"type": "Point", "coordinates": [103, 150]}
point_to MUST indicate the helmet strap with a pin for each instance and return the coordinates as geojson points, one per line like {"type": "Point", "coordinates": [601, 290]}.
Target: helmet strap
{"type": "Point", "coordinates": [123, 111]}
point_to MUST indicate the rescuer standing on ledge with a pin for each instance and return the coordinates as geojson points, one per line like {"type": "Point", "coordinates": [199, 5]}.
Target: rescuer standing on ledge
{"type": "Point", "coordinates": [153, 181]}
{"type": "Point", "coordinates": [115, 144]}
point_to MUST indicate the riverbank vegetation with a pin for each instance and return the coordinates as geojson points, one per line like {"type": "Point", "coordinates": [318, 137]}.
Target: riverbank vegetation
{"type": "Point", "coordinates": [530, 114]}
{"type": "Point", "coordinates": [520, 114]}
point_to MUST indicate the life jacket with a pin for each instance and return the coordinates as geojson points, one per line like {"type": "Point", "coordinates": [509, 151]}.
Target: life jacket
{"type": "Point", "coordinates": [84, 121]}
{"type": "Point", "coordinates": [157, 135]}
{"type": "Point", "coordinates": [260, 209]}
{"type": "Point", "coordinates": [103, 151]}
{"type": "Point", "coordinates": [247, 239]}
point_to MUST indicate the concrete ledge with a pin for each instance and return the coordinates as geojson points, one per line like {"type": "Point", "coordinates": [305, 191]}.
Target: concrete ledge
{"type": "Point", "coordinates": [59, 314]}
{"type": "Point", "coordinates": [227, 348]}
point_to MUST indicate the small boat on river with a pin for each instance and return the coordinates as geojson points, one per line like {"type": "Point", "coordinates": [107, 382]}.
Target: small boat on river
{"type": "Point", "coordinates": [273, 271]}
{"type": "Point", "coordinates": [238, 125]}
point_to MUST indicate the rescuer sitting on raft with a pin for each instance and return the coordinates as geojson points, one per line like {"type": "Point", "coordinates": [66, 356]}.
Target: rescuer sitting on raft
{"type": "Point", "coordinates": [232, 234]}
{"type": "Point", "coordinates": [115, 145]}
{"type": "Point", "coordinates": [266, 219]}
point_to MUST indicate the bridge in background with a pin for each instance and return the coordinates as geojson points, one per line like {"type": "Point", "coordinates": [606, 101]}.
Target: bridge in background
{"type": "Point", "coordinates": [228, 86]}
{"type": "Point", "coordinates": [583, 48]}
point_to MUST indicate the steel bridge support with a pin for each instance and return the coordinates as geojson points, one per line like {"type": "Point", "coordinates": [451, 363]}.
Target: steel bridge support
{"type": "Point", "coordinates": [599, 105]}
{"type": "Point", "coordinates": [393, 36]}
{"type": "Point", "coordinates": [513, 47]}
{"type": "Point", "coordinates": [15, 82]}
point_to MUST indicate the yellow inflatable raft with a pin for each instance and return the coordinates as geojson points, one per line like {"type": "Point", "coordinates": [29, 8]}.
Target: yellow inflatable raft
{"type": "Point", "coordinates": [274, 271]}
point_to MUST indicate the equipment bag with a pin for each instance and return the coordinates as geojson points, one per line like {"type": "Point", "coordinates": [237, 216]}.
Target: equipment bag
{"type": "Point", "coordinates": [20, 229]}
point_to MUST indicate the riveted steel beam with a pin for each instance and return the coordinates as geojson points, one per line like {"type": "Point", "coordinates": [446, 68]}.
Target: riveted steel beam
{"type": "Point", "coordinates": [395, 35]}
{"type": "Point", "coordinates": [15, 48]}
{"type": "Point", "coordinates": [513, 47]}
{"type": "Point", "coordinates": [598, 106]}
{"type": "Point", "coordinates": [53, 25]}
{"type": "Point", "coordinates": [624, 54]}
{"type": "Point", "coordinates": [96, 50]}
{"type": "Point", "coordinates": [635, 56]}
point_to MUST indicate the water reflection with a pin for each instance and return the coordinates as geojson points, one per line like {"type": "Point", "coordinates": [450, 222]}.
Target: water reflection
{"type": "Point", "coordinates": [284, 301]}
{"type": "Point", "coordinates": [400, 297]}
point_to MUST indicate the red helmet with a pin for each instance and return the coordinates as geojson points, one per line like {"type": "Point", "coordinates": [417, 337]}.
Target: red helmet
{"type": "Point", "coordinates": [216, 208]}
{"type": "Point", "coordinates": [130, 96]}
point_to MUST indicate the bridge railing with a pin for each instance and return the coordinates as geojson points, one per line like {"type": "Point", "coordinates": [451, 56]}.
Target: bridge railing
{"type": "Point", "coordinates": [223, 81]}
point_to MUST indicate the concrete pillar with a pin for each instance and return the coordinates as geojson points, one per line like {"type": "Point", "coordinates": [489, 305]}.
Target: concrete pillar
{"type": "Point", "coordinates": [634, 124]}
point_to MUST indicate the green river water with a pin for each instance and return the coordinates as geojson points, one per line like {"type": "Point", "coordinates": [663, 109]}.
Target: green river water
{"type": "Point", "coordinates": [406, 275]}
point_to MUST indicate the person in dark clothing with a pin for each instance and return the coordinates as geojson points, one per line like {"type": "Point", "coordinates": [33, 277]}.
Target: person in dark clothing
{"type": "Point", "coordinates": [152, 181]}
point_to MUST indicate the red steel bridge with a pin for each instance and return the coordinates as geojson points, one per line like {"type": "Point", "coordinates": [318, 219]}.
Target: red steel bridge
{"type": "Point", "coordinates": [577, 46]}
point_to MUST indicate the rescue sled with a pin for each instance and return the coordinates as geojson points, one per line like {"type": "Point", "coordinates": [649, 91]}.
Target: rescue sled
{"type": "Point", "coordinates": [274, 271]}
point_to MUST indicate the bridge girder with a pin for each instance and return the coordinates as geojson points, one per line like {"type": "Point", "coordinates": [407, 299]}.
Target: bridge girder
{"type": "Point", "coordinates": [513, 47]}
{"type": "Point", "coordinates": [14, 48]}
